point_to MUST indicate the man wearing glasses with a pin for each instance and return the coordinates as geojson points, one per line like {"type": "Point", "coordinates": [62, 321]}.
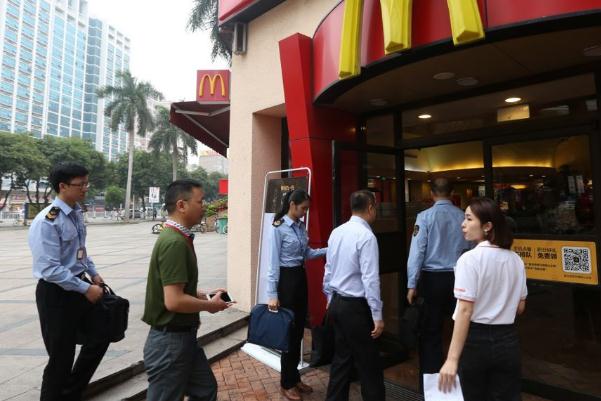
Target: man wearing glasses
{"type": "Point", "coordinates": [68, 285]}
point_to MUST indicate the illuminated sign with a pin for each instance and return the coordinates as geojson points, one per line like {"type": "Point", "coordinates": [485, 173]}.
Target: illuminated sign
{"type": "Point", "coordinates": [560, 261]}
{"type": "Point", "coordinates": [213, 86]}
{"type": "Point", "coordinates": [466, 26]}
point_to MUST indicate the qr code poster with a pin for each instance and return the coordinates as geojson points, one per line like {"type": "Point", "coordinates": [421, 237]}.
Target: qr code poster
{"type": "Point", "coordinates": [563, 261]}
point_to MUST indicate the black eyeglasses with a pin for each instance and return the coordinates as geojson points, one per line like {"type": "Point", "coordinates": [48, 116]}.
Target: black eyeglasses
{"type": "Point", "coordinates": [81, 185]}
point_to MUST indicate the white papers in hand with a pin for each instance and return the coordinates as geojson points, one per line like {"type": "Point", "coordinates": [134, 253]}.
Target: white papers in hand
{"type": "Point", "coordinates": [432, 393]}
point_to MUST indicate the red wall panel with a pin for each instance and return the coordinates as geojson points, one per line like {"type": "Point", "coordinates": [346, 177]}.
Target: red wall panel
{"type": "Point", "coordinates": [503, 12]}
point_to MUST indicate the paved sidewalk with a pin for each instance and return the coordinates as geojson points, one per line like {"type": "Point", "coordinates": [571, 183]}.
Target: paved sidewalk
{"type": "Point", "coordinates": [121, 253]}
{"type": "Point", "coordinates": [242, 378]}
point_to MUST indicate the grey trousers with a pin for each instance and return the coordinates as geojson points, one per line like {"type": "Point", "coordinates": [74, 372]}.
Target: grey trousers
{"type": "Point", "coordinates": [177, 366]}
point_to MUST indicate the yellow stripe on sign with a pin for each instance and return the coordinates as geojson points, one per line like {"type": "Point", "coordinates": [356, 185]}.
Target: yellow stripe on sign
{"type": "Point", "coordinates": [466, 22]}
{"type": "Point", "coordinates": [350, 41]}
{"type": "Point", "coordinates": [396, 23]}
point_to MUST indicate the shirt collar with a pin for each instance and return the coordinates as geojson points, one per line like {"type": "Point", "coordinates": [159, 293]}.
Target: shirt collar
{"type": "Point", "coordinates": [360, 220]}
{"type": "Point", "coordinates": [443, 202]}
{"type": "Point", "coordinates": [289, 221]}
{"type": "Point", "coordinates": [486, 243]}
{"type": "Point", "coordinates": [64, 206]}
{"type": "Point", "coordinates": [186, 231]}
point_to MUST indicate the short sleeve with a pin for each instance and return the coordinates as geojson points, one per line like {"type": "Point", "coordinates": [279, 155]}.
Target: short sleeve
{"type": "Point", "coordinates": [172, 267]}
{"type": "Point", "coordinates": [524, 291]}
{"type": "Point", "coordinates": [466, 280]}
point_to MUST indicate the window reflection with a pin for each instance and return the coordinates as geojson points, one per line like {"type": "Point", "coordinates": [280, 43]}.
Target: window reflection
{"type": "Point", "coordinates": [545, 187]}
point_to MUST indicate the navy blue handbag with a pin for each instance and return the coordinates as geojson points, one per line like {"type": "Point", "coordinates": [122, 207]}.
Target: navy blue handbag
{"type": "Point", "coordinates": [270, 329]}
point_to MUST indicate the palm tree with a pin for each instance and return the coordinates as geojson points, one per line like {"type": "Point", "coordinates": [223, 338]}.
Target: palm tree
{"type": "Point", "coordinates": [128, 106]}
{"type": "Point", "coordinates": [204, 16]}
{"type": "Point", "coordinates": [167, 138]}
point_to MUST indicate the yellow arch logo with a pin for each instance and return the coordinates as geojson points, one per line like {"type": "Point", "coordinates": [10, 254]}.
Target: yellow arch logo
{"type": "Point", "coordinates": [212, 84]}
{"type": "Point", "coordinates": [466, 25]}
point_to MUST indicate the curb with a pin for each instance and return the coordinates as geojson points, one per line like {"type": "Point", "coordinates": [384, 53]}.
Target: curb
{"type": "Point", "coordinates": [142, 394]}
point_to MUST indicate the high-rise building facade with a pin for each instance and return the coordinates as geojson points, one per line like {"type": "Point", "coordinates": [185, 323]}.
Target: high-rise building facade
{"type": "Point", "coordinates": [108, 54]}
{"type": "Point", "coordinates": [52, 60]}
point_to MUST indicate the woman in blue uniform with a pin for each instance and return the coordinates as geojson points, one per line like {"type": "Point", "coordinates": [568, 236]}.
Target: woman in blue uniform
{"type": "Point", "coordinates": [287, 282]}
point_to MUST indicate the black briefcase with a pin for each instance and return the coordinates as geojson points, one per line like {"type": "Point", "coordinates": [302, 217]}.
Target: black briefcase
{"type": "Point", "coordinates": [107, 320]}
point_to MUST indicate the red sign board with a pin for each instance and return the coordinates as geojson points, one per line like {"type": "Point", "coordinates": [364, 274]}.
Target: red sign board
{"type": "Point", "coordinates": [223, 186]}
{"type": "Point", "coordinates": [228, 8]}
{"type": "Point", "coordinates": [213, 86]}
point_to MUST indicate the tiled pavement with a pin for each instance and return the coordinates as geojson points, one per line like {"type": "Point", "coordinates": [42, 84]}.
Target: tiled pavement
{"type": "Point", "coordinates": [242, 378]}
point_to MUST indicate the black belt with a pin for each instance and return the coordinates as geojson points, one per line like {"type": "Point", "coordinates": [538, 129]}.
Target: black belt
{"type": "Point", "coordinates": [175, 329]}
{"type": "Point", "coordinates": [336, 295]}
{"type": "Point", "coordinates": [81, 276]}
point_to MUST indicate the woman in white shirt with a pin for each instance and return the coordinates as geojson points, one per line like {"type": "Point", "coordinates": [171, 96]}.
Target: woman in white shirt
{"type": "Point", "coordinates": [490, 287]}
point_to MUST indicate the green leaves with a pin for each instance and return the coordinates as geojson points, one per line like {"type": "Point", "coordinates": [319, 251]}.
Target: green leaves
{"type": "Point", "coordinates": [27, 162]}
{"type": "Point", "coordinates": [205, 16]}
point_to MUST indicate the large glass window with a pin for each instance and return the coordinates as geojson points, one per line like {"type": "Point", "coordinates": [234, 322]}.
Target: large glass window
{"type": "Point", "coordinates": [568, 96]}
{"type": "Point", "coordinates": [545, 186]}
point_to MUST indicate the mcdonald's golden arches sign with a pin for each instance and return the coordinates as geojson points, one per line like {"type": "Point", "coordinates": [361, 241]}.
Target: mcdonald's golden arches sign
{"type": "Point", "coordinates": [213, 86]}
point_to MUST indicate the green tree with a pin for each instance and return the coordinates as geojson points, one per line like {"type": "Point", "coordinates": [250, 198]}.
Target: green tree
{"type": "Point", "coordinates": [128, 105]}
{"type": "Point", "coordinates": [76, 150]}
{"type": "Point", "coordinates": [31, 170]}
{"type": "Point", "coordinates": [149, 171]}
{"type": "Point", "coordinates": [8, 163]}
{"type": "Point", "coordinates": [205, 16]}
{"type": "Point", "coordinates": [172, 140]}
{"type": "Point", "coordinates": [210, 182]}
{"type": "Point", "coordinates": [113, 196]}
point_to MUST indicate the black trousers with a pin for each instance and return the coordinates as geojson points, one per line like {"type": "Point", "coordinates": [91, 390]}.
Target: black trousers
{"type": "Point", "coordinates": [490, 365]}
{"type": "Point", "coordinates": [353, 323]}
{"type": "Point", "coordinates": [62, 313]}
{"type": "Point", "coordinates": [436, 288]}
{"type": "Point", "coordinates": [292, 293]}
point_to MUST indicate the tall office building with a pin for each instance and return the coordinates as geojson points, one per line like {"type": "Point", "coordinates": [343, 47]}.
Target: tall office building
{"type": "Point", "coordinates": [108, 54]}
{"type": "Point", "coordinates": [52, 60]}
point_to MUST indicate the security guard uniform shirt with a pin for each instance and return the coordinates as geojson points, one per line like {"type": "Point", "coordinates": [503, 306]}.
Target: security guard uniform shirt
{"type": "Point", "coordinates": [290, 248]}
{"type": "Point", "coordinates": [57, 238]}
{"type": "Point", "coordinates": [437, 241]}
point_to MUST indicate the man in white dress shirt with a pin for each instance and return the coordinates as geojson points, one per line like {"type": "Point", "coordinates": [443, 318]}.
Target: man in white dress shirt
{"type": "Point", "coordinates": [352, 284]}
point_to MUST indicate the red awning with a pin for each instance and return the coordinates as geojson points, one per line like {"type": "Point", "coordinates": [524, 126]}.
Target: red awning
{"type": "Point", "coordinates": [209, 123]}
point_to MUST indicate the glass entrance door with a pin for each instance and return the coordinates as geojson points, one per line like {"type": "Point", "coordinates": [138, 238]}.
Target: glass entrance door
{"type": "Point", "coordinates": [378, 170]}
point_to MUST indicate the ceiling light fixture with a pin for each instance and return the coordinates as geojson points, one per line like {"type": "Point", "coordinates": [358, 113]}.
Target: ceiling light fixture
{"type": "Point", "coordinates": [424, 116]}
{"type": "Point", "coordinates": [467, 81]}
{"type": "Point", "coordinates": [592, 51]}
{"type": "Point", "coordinates": [513, 99]}
{"type": "Point", "coordinates": [441, 76]}
{"type": "Point", "coordinates": [378, 102]}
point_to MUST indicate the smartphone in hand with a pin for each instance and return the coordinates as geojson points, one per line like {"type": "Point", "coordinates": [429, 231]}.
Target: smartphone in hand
{"type": "Point", "coordinates": [224, 296]}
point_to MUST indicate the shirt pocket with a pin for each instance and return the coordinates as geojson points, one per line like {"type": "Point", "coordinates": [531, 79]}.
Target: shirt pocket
{"type": "Point", "coordinates": [289, 247]}
{"type": "Point", "coordinates": [69, 235]}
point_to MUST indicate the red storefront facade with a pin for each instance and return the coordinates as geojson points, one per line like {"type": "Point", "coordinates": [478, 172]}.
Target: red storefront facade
{"type": "Point", "coordinates": [437, 103]}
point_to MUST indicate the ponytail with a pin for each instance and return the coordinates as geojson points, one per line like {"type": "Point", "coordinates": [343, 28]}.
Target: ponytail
{"type": "Point", "coordinates": [297, 196]}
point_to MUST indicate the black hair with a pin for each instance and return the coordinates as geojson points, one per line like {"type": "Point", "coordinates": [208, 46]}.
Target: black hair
{"type": "Point", "coordinates": [297, 196]}
{"type": "Point", "coordinates": [65, 172]}
{"type": "Point", "coordinates": [179, 190]}
{"type": "Point", "coordinates": [441, 187]}
{"type": "Point", "coordinates": [360, 200]}
{"type": "Point", "coordinates": [487, 210]}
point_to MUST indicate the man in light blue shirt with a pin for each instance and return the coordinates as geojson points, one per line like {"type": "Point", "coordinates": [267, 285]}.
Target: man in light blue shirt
{"type": "Point", "coordinates": [352, 284]}
{"type": "Point", "coordinates": [65, 294]}
{"type": "Point", "coordinates": [436, 245]}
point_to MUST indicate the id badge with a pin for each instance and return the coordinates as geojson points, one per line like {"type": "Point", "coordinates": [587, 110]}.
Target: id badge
{"type": "Point", "coordinates": [81, 253]}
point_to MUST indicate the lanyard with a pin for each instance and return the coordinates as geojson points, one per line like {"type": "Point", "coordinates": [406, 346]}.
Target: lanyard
{"type": "Point", "coordinates": [77, 227]}
{"type": "Point", "coordinates": [298, 238]}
